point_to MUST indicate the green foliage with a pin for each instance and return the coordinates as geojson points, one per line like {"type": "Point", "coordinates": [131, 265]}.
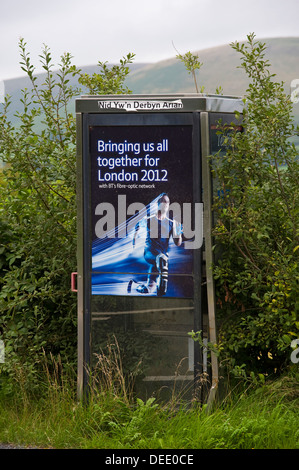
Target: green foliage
{"type": "Point", "coordinates": [257, 225]}
{"type": "Point", "coordinates": [38, 216]}
{"type": "Point", "coordinates": [192, 64]}
{"type": "Point", "coordinates": [263, 418]}
{"type": "Point", "coordinates": [137, 426]}
{"type": "Point", "coordinates": [109, 80]}
{"type": "Point", "coordinates": [38, 208]}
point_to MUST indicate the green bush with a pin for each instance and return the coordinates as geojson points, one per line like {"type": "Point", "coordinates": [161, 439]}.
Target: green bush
{"type": "Point", "coordinates": [256, 227]}
{"type": "Point", "coordinates": [38, 313]}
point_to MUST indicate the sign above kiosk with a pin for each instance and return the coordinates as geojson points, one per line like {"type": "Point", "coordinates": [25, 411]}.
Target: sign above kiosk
{"type": "Point", "coordinates": [160, 103]}
{"type": "Point", "coordinates": [141, 105]}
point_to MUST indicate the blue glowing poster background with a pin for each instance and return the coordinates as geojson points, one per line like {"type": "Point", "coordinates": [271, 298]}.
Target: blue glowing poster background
{"type": "Point", "coordinates": [129, 165]}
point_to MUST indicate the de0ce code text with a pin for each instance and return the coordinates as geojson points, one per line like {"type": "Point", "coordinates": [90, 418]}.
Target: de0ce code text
{"type": "Point", "coordinates": [151, 459]}
{"type": "Point", "coordinates": [168, 459]}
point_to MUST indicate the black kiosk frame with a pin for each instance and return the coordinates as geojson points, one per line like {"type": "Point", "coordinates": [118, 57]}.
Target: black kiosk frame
{"type": "Point", "coordinates": [131, 150]}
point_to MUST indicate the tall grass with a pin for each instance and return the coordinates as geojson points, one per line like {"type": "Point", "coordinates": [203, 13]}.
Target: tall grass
{"type": "Point", "coordinates": [262, 418]}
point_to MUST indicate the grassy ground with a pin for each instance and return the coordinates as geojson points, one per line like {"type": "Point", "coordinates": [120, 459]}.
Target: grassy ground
{"type": "Point", "coordinates": [264, 418]}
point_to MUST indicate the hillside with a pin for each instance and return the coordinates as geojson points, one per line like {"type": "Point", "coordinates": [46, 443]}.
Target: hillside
{"type": "Point", "coordinates": [220, 68]}
{"type": "Point", "coordinates": [14, 86]}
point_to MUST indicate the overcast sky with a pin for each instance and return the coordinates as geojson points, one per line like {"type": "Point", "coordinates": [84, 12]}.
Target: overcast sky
{"type": "Point", "coordinates": [106, 30]}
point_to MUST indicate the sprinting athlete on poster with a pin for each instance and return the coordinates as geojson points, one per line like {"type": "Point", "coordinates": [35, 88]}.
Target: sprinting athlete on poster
{"type": "Point", "coordinates": [159, 230]}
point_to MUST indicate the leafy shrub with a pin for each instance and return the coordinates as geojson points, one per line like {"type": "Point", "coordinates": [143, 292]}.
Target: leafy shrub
{"type": "Point", "coordinates": [257, 225]}
{"type": "Point", "coordinates": [38, 214]}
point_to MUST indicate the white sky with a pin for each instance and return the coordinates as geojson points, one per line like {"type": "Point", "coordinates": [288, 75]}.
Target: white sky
{"type": "Point", "coordinates": [106, 30]}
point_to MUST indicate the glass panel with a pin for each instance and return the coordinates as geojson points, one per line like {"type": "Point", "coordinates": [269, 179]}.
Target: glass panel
{"type": "Point", "coordinates": [151, 338]}
{"type": "Point", "coordinates": [141, 285]}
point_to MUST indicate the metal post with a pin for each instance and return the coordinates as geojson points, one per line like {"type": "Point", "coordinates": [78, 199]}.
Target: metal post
{"type": "Point", "coordinates": [198, 320]}
{"type": "Point", "coordinates": [80, 302]}
{"type": "Point", "coordinates": [207, 228]}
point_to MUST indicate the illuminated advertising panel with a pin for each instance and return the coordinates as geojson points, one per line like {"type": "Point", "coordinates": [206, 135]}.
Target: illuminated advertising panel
{"type": "Point", "coordinates": [145, 224]}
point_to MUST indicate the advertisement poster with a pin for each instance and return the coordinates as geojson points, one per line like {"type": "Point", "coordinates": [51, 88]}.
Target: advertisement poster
{"type": "Point", "coordinates": [145, 225]}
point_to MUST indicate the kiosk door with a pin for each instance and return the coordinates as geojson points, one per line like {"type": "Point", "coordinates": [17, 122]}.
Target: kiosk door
{"type": "Point", "coordinates": [142, 242]}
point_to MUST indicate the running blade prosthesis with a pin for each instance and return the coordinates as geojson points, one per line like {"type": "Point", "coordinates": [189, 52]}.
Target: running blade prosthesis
{"type": "Point", "coordinates": [141, 288]}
